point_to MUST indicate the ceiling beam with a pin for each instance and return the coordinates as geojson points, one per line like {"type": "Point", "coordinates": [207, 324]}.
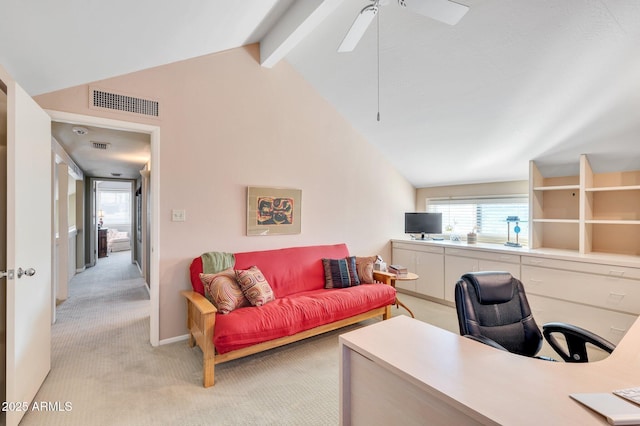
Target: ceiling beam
{"type": "Point", "coordinates": [300, 19]}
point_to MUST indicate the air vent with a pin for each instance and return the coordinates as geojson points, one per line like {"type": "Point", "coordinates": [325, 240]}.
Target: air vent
{"type": "Point", "coordinates": [118, 102]}
{"type": "Point", "coordinates": [100, 145]}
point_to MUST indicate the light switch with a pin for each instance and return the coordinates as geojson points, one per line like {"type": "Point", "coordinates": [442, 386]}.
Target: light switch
{"type": "Point", "coordinates": [178, 215]}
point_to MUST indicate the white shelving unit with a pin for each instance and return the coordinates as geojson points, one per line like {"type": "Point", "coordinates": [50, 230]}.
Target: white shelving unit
{"type": "Point", "coordinates": [589, 212]}
{"type": "Point", "coordinates": [555, 210]}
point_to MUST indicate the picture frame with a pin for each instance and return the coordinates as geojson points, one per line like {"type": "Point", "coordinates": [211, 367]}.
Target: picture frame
{"type": "Point", "coordinates": [273, 211]}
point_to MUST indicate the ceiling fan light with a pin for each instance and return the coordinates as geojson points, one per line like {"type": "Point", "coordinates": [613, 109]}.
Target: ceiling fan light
{"type": "Point", "coordinates": [441, 10]}
{"type": "Point", "coordinates": [358, 28]}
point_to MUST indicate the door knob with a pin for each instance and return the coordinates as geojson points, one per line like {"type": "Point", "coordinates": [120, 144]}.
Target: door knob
{"type": "Point", "coordinates": [29, 272]}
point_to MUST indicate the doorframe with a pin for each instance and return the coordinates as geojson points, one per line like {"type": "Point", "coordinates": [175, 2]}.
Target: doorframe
{"type": "Point", "coordinates": [154, 133]}
{"type": "Point", "coordinates": [93, 183]}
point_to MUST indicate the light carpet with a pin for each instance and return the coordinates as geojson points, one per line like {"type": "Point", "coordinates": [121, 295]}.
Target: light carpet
{"type": "Point", "coordinates": [105, 368]}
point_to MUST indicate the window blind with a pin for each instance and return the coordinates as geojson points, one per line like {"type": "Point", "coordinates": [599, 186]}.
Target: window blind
{"type": "Point", "coordinates": [486, 216]}
{"type": "Point", "coordinates": [116, 206]}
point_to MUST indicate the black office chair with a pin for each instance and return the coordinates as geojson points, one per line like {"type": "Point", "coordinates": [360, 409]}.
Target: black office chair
{"type": "Point", "coordinates": [492, 308]}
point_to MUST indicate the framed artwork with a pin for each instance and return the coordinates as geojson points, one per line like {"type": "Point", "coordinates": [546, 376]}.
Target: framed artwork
{"type": "Point", "coordinates": [273, 211]}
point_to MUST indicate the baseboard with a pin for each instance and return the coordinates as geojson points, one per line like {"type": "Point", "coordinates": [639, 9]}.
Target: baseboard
{"type": "Point", "coordinates": [425, 297]}
{"type": "Point", "coordinates": [174, 339]}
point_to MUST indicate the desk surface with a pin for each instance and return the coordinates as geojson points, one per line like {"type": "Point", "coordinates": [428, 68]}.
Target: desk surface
{"type": "Point", "coordinates": [492, 384]}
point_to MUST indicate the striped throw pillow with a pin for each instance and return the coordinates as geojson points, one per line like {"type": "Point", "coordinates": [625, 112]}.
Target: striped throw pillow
{"type": "Point", "coordinates": [340, 273]}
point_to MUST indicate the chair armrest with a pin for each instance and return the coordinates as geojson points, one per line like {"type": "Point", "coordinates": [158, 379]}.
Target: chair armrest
{"type": "Point", "coordinates": [486, 341]}
{"type": "Point", "coordinates": [576, 338]}
{"type": "Point", "coordinates": [200, 302]}
{"type": "Point", "coordinates": [383, 277]}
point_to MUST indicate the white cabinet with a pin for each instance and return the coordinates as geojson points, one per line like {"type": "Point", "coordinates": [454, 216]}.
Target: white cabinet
{"type": "Point", "coordinates": [430, 269]}
{"type": "Point", "coordinates": [600, 293]}
{"type": "Point", "coordinates": [427, 262]}
{"type": "Point", "coordinates": [404, 257]}
{"type": "Point", "coordinates": [604, 299]}
{"type": "Point", "coordinates": [458, 261]}
{"type": "Point", "coordinates": [454, 268]}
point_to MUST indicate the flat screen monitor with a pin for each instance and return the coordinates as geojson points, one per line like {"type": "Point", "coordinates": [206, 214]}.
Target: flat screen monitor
{"type": "Point", "coordinates": [423, 223]}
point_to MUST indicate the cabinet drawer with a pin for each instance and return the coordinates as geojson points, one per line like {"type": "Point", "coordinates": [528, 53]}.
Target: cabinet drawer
{"type": "Point", "coordinates": [592, 268]}
{"type": "Point", "coordinates": [485, 255]}
{"type": "Point", "coordinates": [607, 292]}
{"type": "Point", "coordinates": [490, 265]}
{"type": "Point", "coordinates": [607, 324]}
{"type": "Point", "coordinates": [418, 247]}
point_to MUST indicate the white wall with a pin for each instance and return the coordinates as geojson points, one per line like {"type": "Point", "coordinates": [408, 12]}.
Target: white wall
{"type": "Point", "coordinates": [518, 187]}
{"type": "Point", "coordinates": [227, 123]}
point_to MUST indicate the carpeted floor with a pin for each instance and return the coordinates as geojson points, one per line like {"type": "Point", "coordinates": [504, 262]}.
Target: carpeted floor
{"type": "Point", "coordinates": [105, 372]}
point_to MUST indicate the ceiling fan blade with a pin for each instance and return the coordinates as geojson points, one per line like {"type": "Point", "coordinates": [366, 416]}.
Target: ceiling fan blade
{"type": "Point", "coordinates": [359, 26]}
{"type": "Point", "coordinates": [441, 10]}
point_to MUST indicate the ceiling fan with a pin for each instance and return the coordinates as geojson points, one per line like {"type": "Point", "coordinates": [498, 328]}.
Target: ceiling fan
{"type": "Point", "coordinates": [445, 11]}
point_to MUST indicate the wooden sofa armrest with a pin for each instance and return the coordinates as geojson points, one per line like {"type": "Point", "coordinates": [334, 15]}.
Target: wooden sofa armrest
{"type": "Point", "coordinates": [201, 319]}
{"type": "Point", "coordinates": [383, 277]}
{"type": "Point", "coordinates": [200, 302]}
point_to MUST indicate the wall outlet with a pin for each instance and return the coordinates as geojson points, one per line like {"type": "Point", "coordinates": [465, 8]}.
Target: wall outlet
{"type": "Point", "coordinates": [178, 215]}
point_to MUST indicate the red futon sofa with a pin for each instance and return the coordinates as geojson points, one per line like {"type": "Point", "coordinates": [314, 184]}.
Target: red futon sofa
{"type": "Point", "coordinates": [302, 307]}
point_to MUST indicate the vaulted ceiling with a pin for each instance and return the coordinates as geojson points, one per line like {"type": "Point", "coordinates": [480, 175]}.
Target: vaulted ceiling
{"type": "Point", "coordinates": [514, 80]}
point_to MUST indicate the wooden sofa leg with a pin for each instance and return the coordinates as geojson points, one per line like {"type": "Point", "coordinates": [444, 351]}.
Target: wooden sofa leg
{"type": "Point", "coordinates": [208, 350]}
{"type": "Point", "coordinates": [208, 370]}
{"type": "Point", "coordinates": [387, 312]}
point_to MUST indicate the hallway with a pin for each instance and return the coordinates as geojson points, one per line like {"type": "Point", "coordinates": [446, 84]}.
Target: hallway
{"type": "Point", "coordinates": [98, 329]}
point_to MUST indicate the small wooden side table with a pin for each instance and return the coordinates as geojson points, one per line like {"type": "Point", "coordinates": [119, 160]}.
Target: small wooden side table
{"type": "Point", "coordinates": [393, 278]}
{"type": "Point", "coordinates": [102, 242]}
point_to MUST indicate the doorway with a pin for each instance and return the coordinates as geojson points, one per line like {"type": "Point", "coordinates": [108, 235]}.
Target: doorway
{"type": "Point", "coordinates": [116, 221]}
{"type": "Point", "coordinates": [152, 172]}
{"type": "Point", "coordinates": [3, 246]}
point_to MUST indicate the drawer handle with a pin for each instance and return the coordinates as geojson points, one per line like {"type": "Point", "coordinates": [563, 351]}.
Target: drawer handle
{"type": "Point", "coordinates": [503, 257]}
{"type": "Point", "coordinates": [617, 330]}
{"type": "Point", "coordinates": [534, 281]}
{"type": "Point", "coordinates": [616, 273]}
{"type": "Point", "coordinates": [616, 297]}
{"type": "Point", "coordinates": [536, 261]}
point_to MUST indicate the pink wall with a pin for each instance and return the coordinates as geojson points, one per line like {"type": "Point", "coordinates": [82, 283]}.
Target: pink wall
{"type": "Point", "coordinates": [227, 123]}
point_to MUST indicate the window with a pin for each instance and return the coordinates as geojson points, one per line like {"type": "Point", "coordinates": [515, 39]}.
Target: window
{"type": "Point", "coordinates": [487, 216]}
{"type": "Point", "coordinates": [116, 206]}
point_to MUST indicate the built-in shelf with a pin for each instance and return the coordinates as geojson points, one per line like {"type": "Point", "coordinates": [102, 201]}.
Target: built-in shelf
{"type": "Point", "coordinates": [614, 188]}
{"type": "Point", "coordinates": [556, 220]}
{"type": "Point", "coordinates": [613, 222]}
{"type": "Point", "coordinates": [556, 188]}
{"type": "Point", "coordinates": [589, 212]}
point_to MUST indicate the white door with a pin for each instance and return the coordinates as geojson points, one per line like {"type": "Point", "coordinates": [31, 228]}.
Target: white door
{"type": "Point", "coordinates": [28, 253]}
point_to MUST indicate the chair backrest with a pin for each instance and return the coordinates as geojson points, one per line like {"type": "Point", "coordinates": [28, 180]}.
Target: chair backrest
{"type": "Point", "coordinates": [494, 305]}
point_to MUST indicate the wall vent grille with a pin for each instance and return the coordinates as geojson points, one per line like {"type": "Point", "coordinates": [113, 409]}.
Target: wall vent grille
{"type": "Point", "coordinates": [100, 145]}
{"type": "Point", "coordinates": [124, 103]}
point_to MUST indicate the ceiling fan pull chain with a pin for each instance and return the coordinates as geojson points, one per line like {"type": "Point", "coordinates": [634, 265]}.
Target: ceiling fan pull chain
{"type": "Point", "coordinates": [378, 58]}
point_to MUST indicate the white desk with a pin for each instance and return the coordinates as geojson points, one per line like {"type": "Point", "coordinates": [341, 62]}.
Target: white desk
{"type": "Point", "coordinates": [406, 371]}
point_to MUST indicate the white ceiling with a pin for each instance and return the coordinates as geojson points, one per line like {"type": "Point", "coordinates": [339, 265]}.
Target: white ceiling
{"type": "Point", "coordinates": [125, 155]}
{"type": "Point", "coordinates": [515, 80]}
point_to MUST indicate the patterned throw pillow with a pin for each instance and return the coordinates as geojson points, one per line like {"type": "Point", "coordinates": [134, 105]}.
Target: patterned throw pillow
{"type": "Point", "coordinates": [255, 286]}
{"type": "Point", "coordinates": [340, 273]}
{"type": "Point", "coordinates": [364, 266]}
{"type": "Point", "coordinates": [223, 291]}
